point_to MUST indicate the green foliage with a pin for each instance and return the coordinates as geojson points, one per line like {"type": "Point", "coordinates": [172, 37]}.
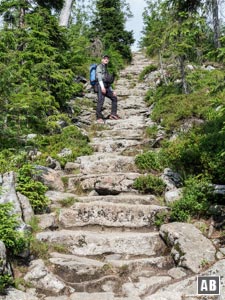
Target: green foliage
{"type": "Point", "coordinates": [199, 148]}
{"type": "Point", "coordinates": [14, 240]}
{"type": "Point", "coordinates": [34, 223]}
{"type": "Point", "coordinates": [149, 184]}
{"type": "Point", "coordinates": [53, 122]}
{"type": "Point", "coordinates": [146, 71]}
{"type": "Point", "coordinates": [70, 138]}
{"type": "Point", "coordinates": [38, 64]}
{"type": "Point", "coordinates": [148, 161]}
{"type": "Point", "coordinates": [39, 249]}
{"type": "Point", "coordinates": [156, 23]}
{"type": "Point", "coordinates": [32, 189]}
{"type": "Point", "coordinates": [162, 91]}
{"type": "Point", "coordinates": [174, 109]}
{"type": "Point", "coordinates": [68, 202]}
{"type": "Point", "coordinates": [150, 96]}
{"type": "Point", "coordinates": [161, 218]}
{"type": "Point", "coordinates": [206, 82]}
{"type": "Point", "coordinates": [116, 62]}
{"type": "Point", "coordinates": [109, 21]}
{"type": "Point", "coordinates": [5, 282]}
{"type": "Point", "coordinates": [175, 35]}
{"type": "Point", "coordinates": [219, 53]}
{"type": "Point", "coordinates": [171, 108]}
{"type": "Point", "coordinates": [200, 151]}
{"type": "Point", "coordinates": [195, 200]}
{"type": "Point", "coordinates": [183, 155]}
{"type": "Point", "coordinates": [11, 159]}
{"type": "Point", "coordinates": [152, 131]}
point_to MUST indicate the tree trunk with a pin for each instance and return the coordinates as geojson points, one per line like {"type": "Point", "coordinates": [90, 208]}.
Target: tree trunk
{"type": "Point", "coordinates": [216, 25]}
{"type": "Point", "coordinates": [181, 60]}
{"type": "Point", "coordinates": [162, 71]}
{"type": "Point", "coordinates": [66, 13]}
{"type": "Point", "coordinates": [21, 17]}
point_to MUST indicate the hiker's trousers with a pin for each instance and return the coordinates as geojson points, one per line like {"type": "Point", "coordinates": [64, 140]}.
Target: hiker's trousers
{"type": "Point", "coordinates": [101, 99]}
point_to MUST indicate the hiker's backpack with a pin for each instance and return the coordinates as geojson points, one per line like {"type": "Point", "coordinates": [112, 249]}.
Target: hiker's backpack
{"type": "Point", "coordinates": [93, 79]}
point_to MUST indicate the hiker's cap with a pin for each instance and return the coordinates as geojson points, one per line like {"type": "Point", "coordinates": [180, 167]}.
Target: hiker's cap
{"type": "Point", "coordinates": [105, 56]}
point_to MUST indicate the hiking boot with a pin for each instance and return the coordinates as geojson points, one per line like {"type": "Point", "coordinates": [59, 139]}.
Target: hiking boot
{"type": "Point", "coordinates": [114, 117]}
{"type": "Point", "coordinates": [100, 121]}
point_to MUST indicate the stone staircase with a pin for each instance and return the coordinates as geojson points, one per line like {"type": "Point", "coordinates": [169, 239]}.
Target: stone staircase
{"type": "Point", "coordinates": [108, 245]}
{"type": "Point", "coordinates": [112, 246]}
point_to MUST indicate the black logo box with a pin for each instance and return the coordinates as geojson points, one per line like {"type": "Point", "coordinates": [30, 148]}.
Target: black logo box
{"type": "Point", "coordinates": [208, 285]}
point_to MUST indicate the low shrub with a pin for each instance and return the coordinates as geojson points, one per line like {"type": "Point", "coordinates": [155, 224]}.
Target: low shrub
{"type": "Point", "coordinates": [34, 190]}
{"type": "Point", "coordinates": [11, 159]}
{"type": "Point", "coordinates": [71, 138]}
{"type": "Point", "coordinates": [148, 161]}
{"type": "Point", "coordinates": [67, 202]}
{"type": "Point", "coordinates": [161, 218]}
{"type": "Point", "coordinates": [149, 184]}
{"type": "Point", "coordinates": [39, 249]}
{"type": "Point", "coordinates": [195, 201]}
{"type": "Point", "coordinates": [5, 282]}
{"type": "Point", "coordinates": [15, 241]}
{"type": "Point", "coordinates": [152, 131]}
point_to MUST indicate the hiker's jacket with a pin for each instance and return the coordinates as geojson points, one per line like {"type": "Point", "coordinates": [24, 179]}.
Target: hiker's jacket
{"type": "Point", "coordinates": [101, 71]}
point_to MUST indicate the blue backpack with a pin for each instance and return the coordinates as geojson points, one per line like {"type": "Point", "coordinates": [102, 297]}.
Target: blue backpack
{"type": "Point", "coordinates": [93, 79]}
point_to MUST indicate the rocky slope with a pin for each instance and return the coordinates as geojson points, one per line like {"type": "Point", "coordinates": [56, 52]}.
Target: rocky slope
{"type": "Point", "coordinates": [106, 245]}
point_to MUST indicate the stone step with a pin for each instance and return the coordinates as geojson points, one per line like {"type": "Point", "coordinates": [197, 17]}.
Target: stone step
{"type": "Point", "coordinates": [139, 61]}
{"type": "Point", "coordinates": [133, 92]}
{"type": "Point", "coordinates": [121, 198]}
{"type": "Point", "coordinates": [132, 102]}
{"type": "Point", "coordinates": [126, 113]}
{"type": "Point", "coordinates": [110, 215]}
{"type": "Point", "coordinates": [139, 108]}
{"type": "Point", "coordinates": [103, 184]}
{"type": "Point", "coordinates": [136, 120]}
{"type": "Point", "coordinates": [73, 268]}
{"type": "Point", "coordinates": [58, 198]}
{"type": "Point", "coordinates": [77, 269]}
{"type": "Point", "coordinates": [92, 296]}
{"type": "Point", "coordinates": [122, 84]}
{"type": "Point", "coordinates": [132, 122]}
{"type": "Point", "coordinates": [123, 89]}
{"type": "Point", "coordinates": [185, 288]}
{"type": "Point", "coordinates": [94, 243]}
{"type": "Point", "coordinates": [115, 133]}
{"type": "Point", "coordinates": [106, 162]}
{"type": "Point", "coordinates": [140, 265]}
{"type": "Point", "coordinates": [133, 70]}
{"type": "Point", "coordinates": [145, 285]}
{"type": "Point", "coordinates": [115, 145]}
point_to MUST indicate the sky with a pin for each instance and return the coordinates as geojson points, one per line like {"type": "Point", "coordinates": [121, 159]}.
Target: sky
{"type": "Point", "coordinates": [136, 22]}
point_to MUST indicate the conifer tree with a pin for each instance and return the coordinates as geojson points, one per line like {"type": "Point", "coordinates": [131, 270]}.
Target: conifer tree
{"type": "Point", "coordinates": [14, 11]}
{"type": "Point", "coordinates": [175, 29]}
{"type": "Point", "coordinates": [109, 25]}
{"type": "Point", "coordinates": [38, 65]}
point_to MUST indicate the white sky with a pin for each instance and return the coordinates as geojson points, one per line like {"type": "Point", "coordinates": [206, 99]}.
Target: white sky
{"type": "Point", "coordinates": [136, 22]}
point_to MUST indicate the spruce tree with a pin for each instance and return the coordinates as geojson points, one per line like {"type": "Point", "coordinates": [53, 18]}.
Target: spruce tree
{"type": "Point", "coordinates": [14, 11]}
{"type": "Point", "coordinates": [38, 65]}
{"type": "Point", "coordinates": [177, 30]}
{"type": "Point", "coordinates": [109, 25]}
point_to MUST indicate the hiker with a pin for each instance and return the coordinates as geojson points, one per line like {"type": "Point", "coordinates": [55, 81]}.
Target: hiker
{"type": "Point", "coordinates": [104, 89]}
